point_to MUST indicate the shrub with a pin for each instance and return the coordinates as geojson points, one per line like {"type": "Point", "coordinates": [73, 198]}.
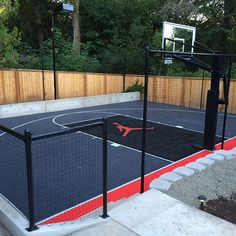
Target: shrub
{"type": "Point", "coordinates": [136, 87]}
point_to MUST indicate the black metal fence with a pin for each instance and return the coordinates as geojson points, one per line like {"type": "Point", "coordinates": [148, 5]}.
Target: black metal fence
{"type": "Point", "coordinates": [41, 179]}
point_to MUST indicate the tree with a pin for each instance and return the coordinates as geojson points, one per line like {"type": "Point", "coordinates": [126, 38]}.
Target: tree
{"type": "Point", "coordinates": [33, 19]}
{"type": "Point", "coordinates": [9, 39]}
{"type": "Point", "coordinates": [76, 26]}
{"type": "Point", "coordinates": [178, 11]}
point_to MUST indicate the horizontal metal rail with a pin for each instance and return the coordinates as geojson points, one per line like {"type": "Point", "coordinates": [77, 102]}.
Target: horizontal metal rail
{"type": "Point", "coordinates": [12, 132]}
{"type": "Point", "coordinates": [85, 122]}
{"type": "Point", "coordinates": [153, 51]}
{"type": "Point", "coordinates": [188, 45]}
{"type": "Point", "coordinates": [67, 131]}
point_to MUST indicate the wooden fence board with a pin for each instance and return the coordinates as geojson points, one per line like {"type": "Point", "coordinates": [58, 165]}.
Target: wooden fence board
{"type": "Point", "coordinates": [95, 84]}
{"type": "Point", "coordinates": [114, 84]}
{"type": "Point", "coordinates": [70, 85]}
{"type": "Point", "coordinates": [232, 97]}
{"type": "Point", "coordinates": [186, 92]}
{"type": "Point", "coordinates": [160, 90]}
{"type": "Point", "coordinates": [32, 85]}
{"type": "Point", "coordinates": [195, 93]}
{"type": "Point", "coordinates": [7, 87]}
{"type": "Point", "coordinates": [48, 85]}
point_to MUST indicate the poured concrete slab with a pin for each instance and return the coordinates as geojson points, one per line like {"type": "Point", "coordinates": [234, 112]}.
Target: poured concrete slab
{"type": "Point", "coordinates": [3, 231]}
{"type": "Point", "coordinates": [108, 227]}
{"type": "Point", "coordinates": [155, 213]}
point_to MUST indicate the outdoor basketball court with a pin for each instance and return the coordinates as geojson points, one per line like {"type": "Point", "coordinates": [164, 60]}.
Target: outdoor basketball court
{"type": "Point", "coordinates": [60, 163]}
{"type": "Point", "coordinates": [54, 171]}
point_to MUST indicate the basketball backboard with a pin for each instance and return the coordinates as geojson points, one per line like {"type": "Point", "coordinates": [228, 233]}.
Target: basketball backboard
{"type": "Point", "coordinates": [178, 38]}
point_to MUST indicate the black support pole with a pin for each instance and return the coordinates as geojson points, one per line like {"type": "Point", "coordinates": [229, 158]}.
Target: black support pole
{"type": "Point", "coordinates": [105, 215]}
{"type": "Point", "coordinates": [54, 55]}
{"type": "Point", "coordinates": [146, 69]}
{"type": "Point", "coordinates": [226, 103]}
{"type": "Point", "coordinates": [212, 107]}
{"type": "Point", "coordinates": [42, 65]}
{"type": "Point", "coordinates": [203, 77]}
{"type": "Point", "coordinates": [28, 142]}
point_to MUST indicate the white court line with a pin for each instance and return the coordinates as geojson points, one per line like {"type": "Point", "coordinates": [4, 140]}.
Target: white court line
{"type": "Point", "coordinates": [29, 122]}
{"type": "Point", "coordinates": [109, 141]}
{"type": "Point", "coordinates": [161, 123]}
{"type": "Point", "coordinates": [48, 117]}
{"type": "Point", "coordinates": [109, 111]}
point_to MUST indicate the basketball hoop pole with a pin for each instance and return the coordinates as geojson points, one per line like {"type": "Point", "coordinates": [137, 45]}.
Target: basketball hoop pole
{"type": "Point", "coordinates": [212, 107]}
{"type": "Point", "coordinates": [213, 100]}
{"type": "Point", "coordinates": [226, 103]}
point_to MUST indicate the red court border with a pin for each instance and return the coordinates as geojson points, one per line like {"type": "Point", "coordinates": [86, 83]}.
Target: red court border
{"type": "Point", "coordinates": [130, 188]}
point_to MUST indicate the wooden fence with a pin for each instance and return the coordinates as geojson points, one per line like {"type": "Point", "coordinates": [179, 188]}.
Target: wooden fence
{"type": "Point", "coordinates": [31, 85]}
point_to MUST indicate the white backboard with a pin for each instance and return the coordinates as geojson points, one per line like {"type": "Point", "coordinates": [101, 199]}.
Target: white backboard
{"type": "Point", "coordinates": [176, 37]}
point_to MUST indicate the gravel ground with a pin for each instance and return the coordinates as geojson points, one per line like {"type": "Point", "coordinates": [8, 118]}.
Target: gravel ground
{"type": "Point", "coordinates": [217, 180]}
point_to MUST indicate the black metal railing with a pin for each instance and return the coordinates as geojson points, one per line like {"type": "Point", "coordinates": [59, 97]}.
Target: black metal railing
{"type": "Point", "coordinates": [29, 183]}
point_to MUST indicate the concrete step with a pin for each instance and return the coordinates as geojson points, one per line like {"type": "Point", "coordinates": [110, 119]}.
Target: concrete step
{"type": "Point", "coordinates": [155, 213]}
{"type": "Point", "coordinates": [112, 205]}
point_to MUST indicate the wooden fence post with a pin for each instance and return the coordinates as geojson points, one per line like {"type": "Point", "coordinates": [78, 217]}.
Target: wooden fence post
{"type": "Point", "coordinates": [17, 86]}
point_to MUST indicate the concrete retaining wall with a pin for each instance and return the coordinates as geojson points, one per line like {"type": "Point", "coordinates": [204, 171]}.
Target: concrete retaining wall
{"type": "Point", "coordinates": [30, 108]}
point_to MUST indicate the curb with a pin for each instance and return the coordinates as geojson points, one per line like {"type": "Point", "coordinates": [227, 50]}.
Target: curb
{"type": "Point", "coordinates": [164, 182]}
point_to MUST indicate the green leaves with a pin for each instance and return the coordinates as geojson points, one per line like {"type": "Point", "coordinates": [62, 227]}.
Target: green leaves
{"type": "Point", "coordinates": [9, 39]}
{"type": "Point", "coordinates": [66, 58]}
{"type": "Point", "coordinates": [113, 33]}
{"type": "Point", "coordinates": [136, 87]}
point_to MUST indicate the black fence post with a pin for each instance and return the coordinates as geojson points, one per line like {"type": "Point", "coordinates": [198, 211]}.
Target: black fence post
{"type": "Point", "coordinates": [124, 73]}
{"type": "Point", "coordinates": [28, 145]}
{"type": "Point", "coordinates": [54, 55]}
{"type": "Point", "coordinates": [105, 215]}
{"type": "Point", "coordinates": [146, 69]}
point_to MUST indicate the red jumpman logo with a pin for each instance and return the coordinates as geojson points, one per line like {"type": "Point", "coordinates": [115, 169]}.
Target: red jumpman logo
{"type": "Point", "coordinates": [126, 130]}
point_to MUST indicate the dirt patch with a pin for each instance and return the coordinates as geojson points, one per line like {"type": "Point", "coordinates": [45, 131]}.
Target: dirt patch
{"type": "Point", "coordinates": [223, 208]}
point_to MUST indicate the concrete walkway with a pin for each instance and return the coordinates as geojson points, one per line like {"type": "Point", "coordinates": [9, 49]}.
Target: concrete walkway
{"type": "Point", "coordinates": [155, 213]}
{"type": "Point", "coordinates": [3, 231]}
{"type": "Point", "coordinates": [149, 214]}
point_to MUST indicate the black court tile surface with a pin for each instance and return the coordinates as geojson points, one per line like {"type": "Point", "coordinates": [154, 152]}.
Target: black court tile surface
{"type": "Point", "coordinates": [68, 169]}
{"type": "Point", "coordinates": [164, 141]}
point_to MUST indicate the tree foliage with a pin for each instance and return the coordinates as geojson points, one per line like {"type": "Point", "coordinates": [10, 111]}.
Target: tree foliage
{"type": "Point", "coordinates": [104, 35]}
{"type": "Point", "coordinates": [9, 38]}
